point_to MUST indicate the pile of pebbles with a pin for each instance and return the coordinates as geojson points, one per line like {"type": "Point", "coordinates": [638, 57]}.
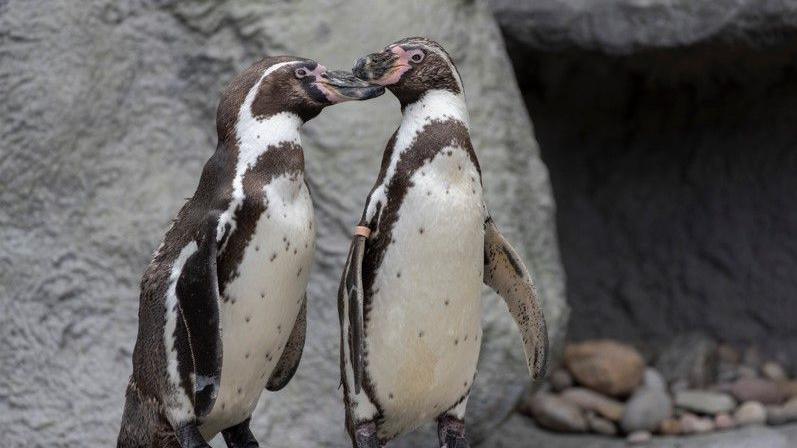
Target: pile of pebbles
{"type": "Point", "coordinates": [694, 386]}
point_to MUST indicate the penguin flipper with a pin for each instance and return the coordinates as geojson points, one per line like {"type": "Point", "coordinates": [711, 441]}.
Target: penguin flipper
{"type": "Point", "coordinates": [289, 361]}
{"type": "Point", "coordinates": [505, 272]}
{"type": "Point", "coordinates": [351, 297]}
{"type": "Point", "coordinates": [198, 297]}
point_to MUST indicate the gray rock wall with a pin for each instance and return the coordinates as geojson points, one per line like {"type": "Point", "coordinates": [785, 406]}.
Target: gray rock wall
{"type": "Point", "coordinates": [106, 120]}
{"type": "Point", "coordinates": [669, 130]}
{"type": "Point", "coordinates": [628, 26]}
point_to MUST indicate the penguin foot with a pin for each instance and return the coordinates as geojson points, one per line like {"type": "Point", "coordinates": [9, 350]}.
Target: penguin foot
{"type": "Point", "coordinates": [451, 432]}
{"type": "Point", "coordinates": [365, 436]}
{"type": "Point", "coordinates": [240, 436]}
{"type": "Point", "coordinates": [189, 437]}
{"type": "Point", "coordinates": [455, 441]}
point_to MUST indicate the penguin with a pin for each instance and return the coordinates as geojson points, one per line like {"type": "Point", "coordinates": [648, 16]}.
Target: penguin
{"type": "Point", "coordinates": [223, 308]}
{"type": "Point", "coordinates": [410, 295]}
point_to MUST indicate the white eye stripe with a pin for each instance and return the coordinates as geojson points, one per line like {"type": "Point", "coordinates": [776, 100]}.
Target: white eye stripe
{"type": "Point", "coordinates": [450, 64]}
{"type": "Point", "coordinates": [301, 72]}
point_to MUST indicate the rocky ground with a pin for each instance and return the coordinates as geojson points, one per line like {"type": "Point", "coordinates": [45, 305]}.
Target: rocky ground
{"type": "Point", "coordinates": [517, 432]}
{"type": "Point", "coordinates": [694, 386]}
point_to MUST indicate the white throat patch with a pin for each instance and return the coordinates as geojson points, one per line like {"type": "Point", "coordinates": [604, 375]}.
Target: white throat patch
{"type": "Point", "coordinates": [434, 105]}
{"type": "Point", "coordinates": [255, 136]}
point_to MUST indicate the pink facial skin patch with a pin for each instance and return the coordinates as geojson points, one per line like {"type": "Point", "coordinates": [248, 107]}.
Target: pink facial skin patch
{"type": "Point", "coordinates": [331, 95]}
{"type": "Point", "coordinates": [400, 67]}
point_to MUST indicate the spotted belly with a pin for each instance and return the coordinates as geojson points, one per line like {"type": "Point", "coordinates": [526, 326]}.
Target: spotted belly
{"type": "Point", "coordinates": [423, 329]}
{"type": "Point", "coordinates": [259, 306]}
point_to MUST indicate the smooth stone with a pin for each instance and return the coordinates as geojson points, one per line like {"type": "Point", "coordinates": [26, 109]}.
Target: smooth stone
{"type": "Point", "coordinates": [691, 359]}
{"type": "Point", "coordinates": [593, 401]}
{"type": "Point", "coordinates": [755, 389]}
{"type": "Point", "coordinates": [724, 422]}
{"type": "Point", "coordinates": [560, 380]}
{"type": "Point", "coordinates": [670, 427]}
{"type": "Point", "coordinates": [779, 415]}
{"type": "Point", "coordinates": [652, 379]}
{"type": "Point", "coordinates": [601, 425]}
{"type": "Point", "coordinates": [704, 402]}
{"type": "Point", "coordinates": [692, 424]}
{"type": "Point", "coordinates": [646, 409]}
{"type": "Point", "coordinates": [639, 437]}
{"type": "Point", "coordinates": [606, 366]}
{"type": "Point", "coordinates": [553, 412]}
{"type": "Point", "coordinates": [773, 371]}
{"type": "Point", "coordinates": [750, 413]}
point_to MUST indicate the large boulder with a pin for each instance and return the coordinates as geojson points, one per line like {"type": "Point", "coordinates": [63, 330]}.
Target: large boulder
{"type": "Point", "coordinates": [106, 120]}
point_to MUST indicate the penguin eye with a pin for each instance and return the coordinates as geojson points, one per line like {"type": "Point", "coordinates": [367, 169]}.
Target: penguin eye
{"type": "Point", "coordinates": [301, 72]}
{"type": "Point", "coordinates": [417, 56]}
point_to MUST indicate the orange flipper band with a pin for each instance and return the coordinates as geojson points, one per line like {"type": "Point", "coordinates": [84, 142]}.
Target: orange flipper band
{"type": "Point", "coordinates": [362, 231]}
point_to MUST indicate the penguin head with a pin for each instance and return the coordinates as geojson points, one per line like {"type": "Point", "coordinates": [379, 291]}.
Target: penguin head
{"type": "Point", "coordinates": [410, 67]}
{"type": "Point", "coordinates": [288, 84]}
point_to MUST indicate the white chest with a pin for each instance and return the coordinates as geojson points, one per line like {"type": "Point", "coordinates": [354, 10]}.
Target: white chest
{"type": "Point", "coordinates": [424, 328]}
{"type": "Point", "coordinates": [262, 302]}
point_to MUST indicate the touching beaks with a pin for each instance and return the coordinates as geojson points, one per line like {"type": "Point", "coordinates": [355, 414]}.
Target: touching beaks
{"type": "Point", "coordinates": [339, 86]}
{"type": "Point", "coordinates": [385, 68]}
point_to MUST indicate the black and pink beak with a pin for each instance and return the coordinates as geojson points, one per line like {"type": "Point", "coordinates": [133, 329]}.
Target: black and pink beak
{"type": "Point", "coordinates": [384, 68]}
{"type": "Point", "coordinates": [339, 86]}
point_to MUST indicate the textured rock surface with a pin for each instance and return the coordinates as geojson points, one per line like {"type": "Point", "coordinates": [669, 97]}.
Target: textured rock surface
{"type": "Point", "coordinates": [623, 26]}
{"type": "Point", "coordinates": [107, 118]}
{"type": "Point", "coordinates": [668, 129]}
{"type": "Point", "coordinates": [519, 428]}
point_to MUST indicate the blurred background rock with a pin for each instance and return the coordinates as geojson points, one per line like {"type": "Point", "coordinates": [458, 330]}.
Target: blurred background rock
{"type": "Point", "coordinates": [667, 126]}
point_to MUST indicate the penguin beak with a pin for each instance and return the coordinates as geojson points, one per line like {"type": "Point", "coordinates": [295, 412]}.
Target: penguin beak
{"type": "Point", "coordinates": [385, 68]}
{"type": "Point", "coordinates": [339, 86]}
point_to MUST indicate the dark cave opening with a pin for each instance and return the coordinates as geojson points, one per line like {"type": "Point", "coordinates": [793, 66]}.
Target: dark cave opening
{"type": "Point", "coordinates": [675, 177]}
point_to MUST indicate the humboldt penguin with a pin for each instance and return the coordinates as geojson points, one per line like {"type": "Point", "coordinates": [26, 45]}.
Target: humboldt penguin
{"type": "Point", "coordinates": [223, 305]}
{"type": "Point", "coordinates": [410, 295]}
